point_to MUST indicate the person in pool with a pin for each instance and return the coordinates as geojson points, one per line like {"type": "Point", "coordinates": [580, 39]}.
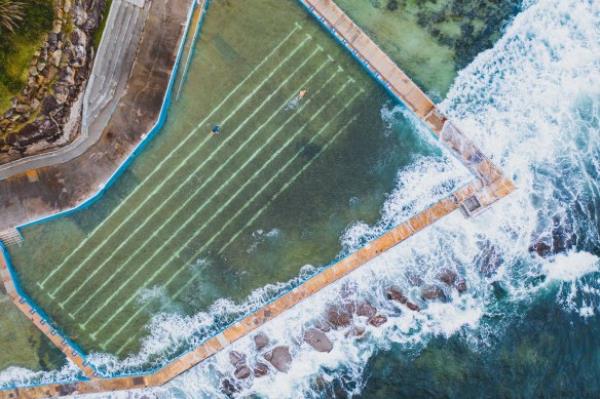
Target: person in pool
{"type": "Point", "coordinates": [216, 129]}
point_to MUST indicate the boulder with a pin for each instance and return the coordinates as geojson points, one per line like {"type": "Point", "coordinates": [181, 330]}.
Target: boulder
{"type": "Point", "coordinates": [461, 285]}
{"type": "Point", "coordinates": [261, 340]}
{"type": "Point", "coordinates": [228, 387]}
{"type": "Point", "coordinates": [541, 248]}
{"type": "Point", "coordinates": [318, 340]}
{"type": "Point", "coordinates": [355, 331]}
{"type": "Point", "coordinates": [432, 293]}
{"type": "Point", "coordinates": [338, 317]}
{"type": "Point", "coordinates": [365, 309]}
{"type": "Point", "coordinates": [260, 369]}
{"type": "Point", "coordinates": [49, 104]}
{"type": "Point", "coordinates": [323, 325]}
{"type": "Point", "coordinates": [280, 358]}
{"type": "Point", "coordinates": [236, 358]}
{"type": "Point", "coordinates": [394, 294]}
{"type": "Point", "coordinates": [378, 320]}
{"type": "Point", "coordinates": [55, 57]}
{"type": "Point", "coordinates": [447, 277]}
{"type": "Point", "coordinates": [242, 372]}
{"type": "Point", "coordinates": [489, 261]}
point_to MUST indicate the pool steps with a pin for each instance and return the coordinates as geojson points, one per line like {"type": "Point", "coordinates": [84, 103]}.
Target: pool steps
{"type": "Point", "coordinates": [489, 186]}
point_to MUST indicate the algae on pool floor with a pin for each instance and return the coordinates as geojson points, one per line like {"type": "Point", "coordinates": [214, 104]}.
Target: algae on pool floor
{"type": "Point", "coordinates": [303, 152]}
{"type": "Point", "coordinates": [23, 345]}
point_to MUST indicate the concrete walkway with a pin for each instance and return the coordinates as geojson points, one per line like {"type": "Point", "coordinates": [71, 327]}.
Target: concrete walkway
{"type": "Point", "coordinates": [112, 67]}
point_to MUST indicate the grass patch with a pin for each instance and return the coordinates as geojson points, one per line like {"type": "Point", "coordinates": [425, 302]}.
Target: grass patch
{"type": "Point", "coordinates": [98, 33]}
{"type": "Point", "coordinates": [17, 49]}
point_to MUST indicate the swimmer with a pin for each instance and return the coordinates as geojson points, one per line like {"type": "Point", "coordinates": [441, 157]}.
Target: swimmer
{"type": "Point", "coordinates": [302, 94]}
{"type": "Point", "coordinates": [216, 129]}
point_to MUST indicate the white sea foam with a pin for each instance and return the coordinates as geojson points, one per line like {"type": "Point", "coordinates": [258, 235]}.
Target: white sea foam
{"type": "Point", "coordinates": [571, 266]}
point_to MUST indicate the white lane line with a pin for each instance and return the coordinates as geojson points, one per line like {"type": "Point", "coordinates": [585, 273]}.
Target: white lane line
{"type": "Point", "coordinates": [239, 211]}
{"type": "Point", "coordinates": [159, 166]}
{"type": "Point", "coordinates": [176, 212]}
{"type": "Point", "coordinates": [160, 186]}
{"type": "Point", "coordinates": [273, 198]}
{"type": "Point", "coordinates": [197, 211]}
{"type": "Point", "coordinates": [136, 335]}
{"type": "Point", "coordinates": [256, 173]}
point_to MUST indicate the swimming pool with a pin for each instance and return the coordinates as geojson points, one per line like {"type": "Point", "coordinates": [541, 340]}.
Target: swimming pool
{"type": "Point", "coordinates": [308, 146]}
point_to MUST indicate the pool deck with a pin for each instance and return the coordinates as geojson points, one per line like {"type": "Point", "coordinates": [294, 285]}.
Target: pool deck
{"type": "Point", "coordinates": [489, 186]}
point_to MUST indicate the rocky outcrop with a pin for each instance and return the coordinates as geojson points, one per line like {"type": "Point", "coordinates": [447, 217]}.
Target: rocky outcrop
{"type": "Point", "coordinates": [39, 116]}
{"type": "Point", "coordinates": [261, 341]}
{"type": "Point", "coordinates": [280, 357]}
{"type": "Point", "coordinates": [318, 340]}
{"type": "Point", "coordinates": [395, 294]}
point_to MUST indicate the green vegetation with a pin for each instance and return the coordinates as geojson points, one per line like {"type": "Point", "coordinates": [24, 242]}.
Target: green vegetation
{"type": "Point", "coordinates": [11, 13]}
{"type": "Point", "coordinates": [18, 44]}
{"type": "Point", "coordinates": [98, 33]}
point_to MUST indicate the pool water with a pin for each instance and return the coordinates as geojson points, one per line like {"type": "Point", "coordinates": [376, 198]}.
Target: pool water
{"type": "Point", "coordinates": [308, 146]}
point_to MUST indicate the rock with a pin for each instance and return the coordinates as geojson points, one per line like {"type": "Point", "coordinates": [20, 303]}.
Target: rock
{"type": "Point", "coordinates": [236, 358]}
{"type": "Point", "coordinates": [461, 285]}
{"type": "Point", "coordinates": [563, 237]}
{"type": "Point", "coordinates": [67, 76]}
{"type": "Point", "coordinates": [280, 358]}
{"type": "Point", "coordinates": [338, 317]}
{"type": "Point", "coordinates": [40, 66]}
{"type": "Point", "coordinates": [365, 309]}
{"type": "Point", "coordinates": [378, 320]}
{"type": "Point", "coordinates": [432, 293]}
{"type": "Point", "coordinates": [318, 340]}
{"type": "Point", "coordinates": [55, 57]}
{"type": "Point", "coordinates": [348, 289]}
{"type": "Point", "coordinates": [541, 248]}
{"type": "Point", "coordinates": [61, 94]}
{"type": "Point", "coordinates": [414, 279]}
{"type": "Point", "coordinates": [395, 294]}
{"type": "Point", "coordinates": [22, 108]}
{"type": "Point", "coordinates": [242, 372]}
{"type": "Point", "coordinates": [261, 341]}
{"type": "Point", "coordinates": [323, 325]}
{"type": "Point", "coordinates": [355, 331]}
{"type": "Point", "coordinates": [260, 369]}
{"type": "Point", "coordinates": [49, 104]}
{"type": "Point", "coordinates": [53, 38]}
{"type": "Point", "coordinates": [488, 260]}
{"type": "Point", "coordinates": [447, 277]}
{"type": "Point", "coordinates": [228, 387]}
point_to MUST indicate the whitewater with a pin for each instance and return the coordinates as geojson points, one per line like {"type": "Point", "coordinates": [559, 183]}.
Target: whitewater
{"type": "Point", "coordinates": [532, 104]}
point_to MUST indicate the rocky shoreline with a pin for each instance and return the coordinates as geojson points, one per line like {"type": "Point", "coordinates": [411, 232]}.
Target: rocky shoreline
{"type": "Point", "coordinates": [45, 114]}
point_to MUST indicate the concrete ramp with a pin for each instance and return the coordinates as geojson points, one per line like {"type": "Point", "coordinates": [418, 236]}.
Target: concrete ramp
{"type": "Point", "coordinates": [113, 63]}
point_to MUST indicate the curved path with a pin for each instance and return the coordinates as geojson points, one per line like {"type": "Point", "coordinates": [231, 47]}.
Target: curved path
{"type": "Point", "coordinates": [111, 70]}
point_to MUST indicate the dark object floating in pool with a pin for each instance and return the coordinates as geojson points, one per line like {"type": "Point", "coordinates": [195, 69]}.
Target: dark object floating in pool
{"type": "Point", "coordinates": [216, 129]}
